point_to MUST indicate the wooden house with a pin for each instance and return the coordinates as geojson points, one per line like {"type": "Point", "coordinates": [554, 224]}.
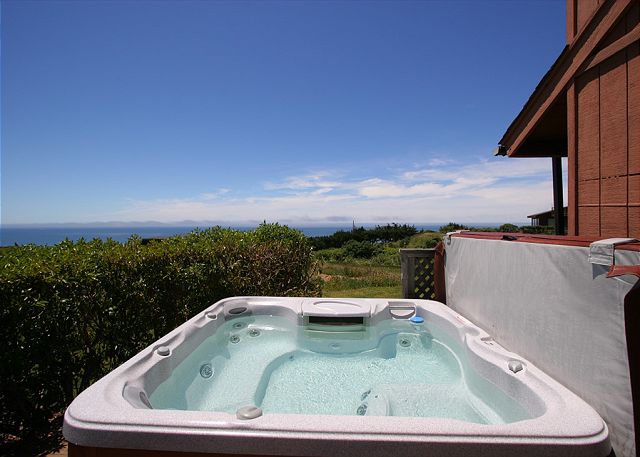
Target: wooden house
{"type": "Point", "coordinates": [547, 218]}
{"type": "Point", "coordinates": [587, 108]}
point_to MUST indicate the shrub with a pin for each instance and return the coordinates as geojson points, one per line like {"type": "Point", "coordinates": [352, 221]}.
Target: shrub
{"type": "Point", "coordinates": [425, 240]}
{"type": "Point", "coordinates": [380, 234]}
{"type": "Point", "coordinates": [331, 255]}
{"type": "Point", "coordinates": [361, 249]}
{"type": "Point", "coordinates": [391, 232]}
{"type": "Point", "coordinates": [537, 229]}
{"type": "Point", "coordinates": [73, 312]}
{"type": "Point", "coordinates": [508, 228]}
{"type": "Point", "coordinates": [388, 257]}
{"type": "Point", "coordinates": [452, 227]}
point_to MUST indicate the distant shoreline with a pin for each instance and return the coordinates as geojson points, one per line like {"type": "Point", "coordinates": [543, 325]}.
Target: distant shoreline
{"type": "Point", "coordinates": [50, 234]}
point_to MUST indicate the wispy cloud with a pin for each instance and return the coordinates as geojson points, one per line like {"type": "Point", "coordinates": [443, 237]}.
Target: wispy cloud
{"type": "Point", "coordinates": [214, 195]}
{"type": "Point", "coordinates": [488, 190]}
{"type": "Point", "coordinates": [318, 180]}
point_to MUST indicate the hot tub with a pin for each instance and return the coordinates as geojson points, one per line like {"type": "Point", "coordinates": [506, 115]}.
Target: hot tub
{"type": "Point", "coordinates": [325, 377]}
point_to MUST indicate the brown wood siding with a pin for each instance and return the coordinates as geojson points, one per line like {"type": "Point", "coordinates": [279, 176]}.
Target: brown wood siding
{"type": "Point", "coordinates": [634, 205]}
{"type": "Point", "coordinates": [633, 127]}
{"type": "Point", "coordinates": [589, 192]}
{"type": "Point", "coordinates": [633, 73]}
{"type": "Point", "coordinates": [589, 220]}
{"type": "Point", "coordinates": [572, 163]}
{"type": "Point", "coordinates": [588, 126]}
{"type": "Point", "coordinates": [634, 220]}
{"type": "Point", "coordinates": [571, 20]}
{"type": "Point", "coordinates": [588, 158]}
{"type": "Point", "coordinates": [578, 14]}
{"type": "Point", "coordinates": [615, 33]}
{"type": "Point", "coordinates": [606, 110]}
{"type": "Point", "coordinates": [613, 221]}
{"type": "Point", "coordinates": [613, 117]}
{"type": "Point", "coordinates": [633, 67]}
{"type": "Point", "coordinates": [634, 190]}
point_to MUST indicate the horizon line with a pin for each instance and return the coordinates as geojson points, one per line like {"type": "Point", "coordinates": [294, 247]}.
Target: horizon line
{"type": "Point", "coordinates": [192, 223]}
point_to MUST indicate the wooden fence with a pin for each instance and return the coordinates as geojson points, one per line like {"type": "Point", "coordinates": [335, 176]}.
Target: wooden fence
{"type": "Point", "coordinates": [418, 273]}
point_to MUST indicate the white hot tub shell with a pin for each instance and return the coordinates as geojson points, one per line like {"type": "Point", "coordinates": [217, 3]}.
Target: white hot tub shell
{"type": "Point", "coordinates": [114, 413]}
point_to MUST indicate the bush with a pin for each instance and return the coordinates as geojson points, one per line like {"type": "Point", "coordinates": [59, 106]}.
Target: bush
{"type": "Point", "coordinates": [391, 232]}
{"type": "Point", "coordinates": [508, 228]}
{"type": "Point", "coordinates": [75, 311]}
{"type": "Point", "coordinates": [331, 255]}
{"type": "Point", "coordinates": [425, 240]}
{"type": "Point", "coordinates": [452, 227]}
{"type": "Point", "coordinates": [388, 257]}
{"type": "Point", "coordinates": [360, 249]}
{"type": "Point", "coordinates": [537, 229]}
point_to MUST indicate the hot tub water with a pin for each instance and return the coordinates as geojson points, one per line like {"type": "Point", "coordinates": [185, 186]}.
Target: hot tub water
{"type": "Point", "coordinates": [393, 368]}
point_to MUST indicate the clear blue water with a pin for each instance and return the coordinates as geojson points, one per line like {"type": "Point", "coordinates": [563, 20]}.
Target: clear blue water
{"type": "Point", "coordinates": [53, 235]}
{"type": "Point", "coordinates": [393, 369]}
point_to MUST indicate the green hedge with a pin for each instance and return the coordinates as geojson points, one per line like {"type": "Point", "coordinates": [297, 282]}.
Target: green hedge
{"type": "Point", "coordinates": [71, 313]}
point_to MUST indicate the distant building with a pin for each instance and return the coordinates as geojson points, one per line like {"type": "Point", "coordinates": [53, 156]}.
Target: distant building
{"type": "Point", "coordinates": [547, 219]}
{"type": "Point", "coordinates": [587, 108]}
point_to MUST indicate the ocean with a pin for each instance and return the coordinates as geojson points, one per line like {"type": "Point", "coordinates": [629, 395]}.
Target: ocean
{"type": "Point", "coordinates": [42, 235]}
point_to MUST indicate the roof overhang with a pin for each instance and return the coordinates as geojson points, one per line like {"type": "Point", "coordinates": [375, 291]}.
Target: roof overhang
{"type": "Point", "coordinates": [548, 213]}
{"type": "Point", "coordinates": [540, 129]}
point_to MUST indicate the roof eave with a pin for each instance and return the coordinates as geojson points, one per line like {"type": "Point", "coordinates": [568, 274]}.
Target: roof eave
{"type": "Point", "coordinates": [537, 116]}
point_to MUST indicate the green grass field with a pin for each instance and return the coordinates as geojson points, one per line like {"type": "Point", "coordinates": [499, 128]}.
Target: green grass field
{"type": "Point", "coordinates": [378, 277]}
{"type": "Point", "coordinates": [358, 279]}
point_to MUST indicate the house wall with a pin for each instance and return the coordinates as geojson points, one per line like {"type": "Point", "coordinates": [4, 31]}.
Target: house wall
{"type": "Point", "coordinates": [603, 121]}
{"type": "Point", "coordinates": [578, 14]}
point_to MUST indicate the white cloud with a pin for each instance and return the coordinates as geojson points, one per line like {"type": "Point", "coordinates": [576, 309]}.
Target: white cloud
{"type": "Point", "coordinates": [487, 169]}
{"type": "Point", "coordinates": [315, 180]}
{"type": "Point", "coordinates": [438, 162]}
{"type": "Point", "coordinates": [213, 195]}
{"type": "Point", "coordinates": [496, 190]}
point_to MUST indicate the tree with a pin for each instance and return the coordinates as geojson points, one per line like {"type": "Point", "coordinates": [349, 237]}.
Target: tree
{"type": "Point", "coordinates": [452, 227]}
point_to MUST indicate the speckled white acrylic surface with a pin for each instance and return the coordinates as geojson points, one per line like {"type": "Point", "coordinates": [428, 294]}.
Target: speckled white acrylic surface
{"type": "Point", "coordinates": [113, 412]}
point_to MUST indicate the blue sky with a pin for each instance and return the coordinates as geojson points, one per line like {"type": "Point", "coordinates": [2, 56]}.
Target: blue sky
{"type": "Point", "coordinates": [290, 111]}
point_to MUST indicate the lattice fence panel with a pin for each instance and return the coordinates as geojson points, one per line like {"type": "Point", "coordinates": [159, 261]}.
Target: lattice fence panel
{"type": "Point", "coordinates": [423, 279]}
{"type": "Point", "coordinates": [418, 273]}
